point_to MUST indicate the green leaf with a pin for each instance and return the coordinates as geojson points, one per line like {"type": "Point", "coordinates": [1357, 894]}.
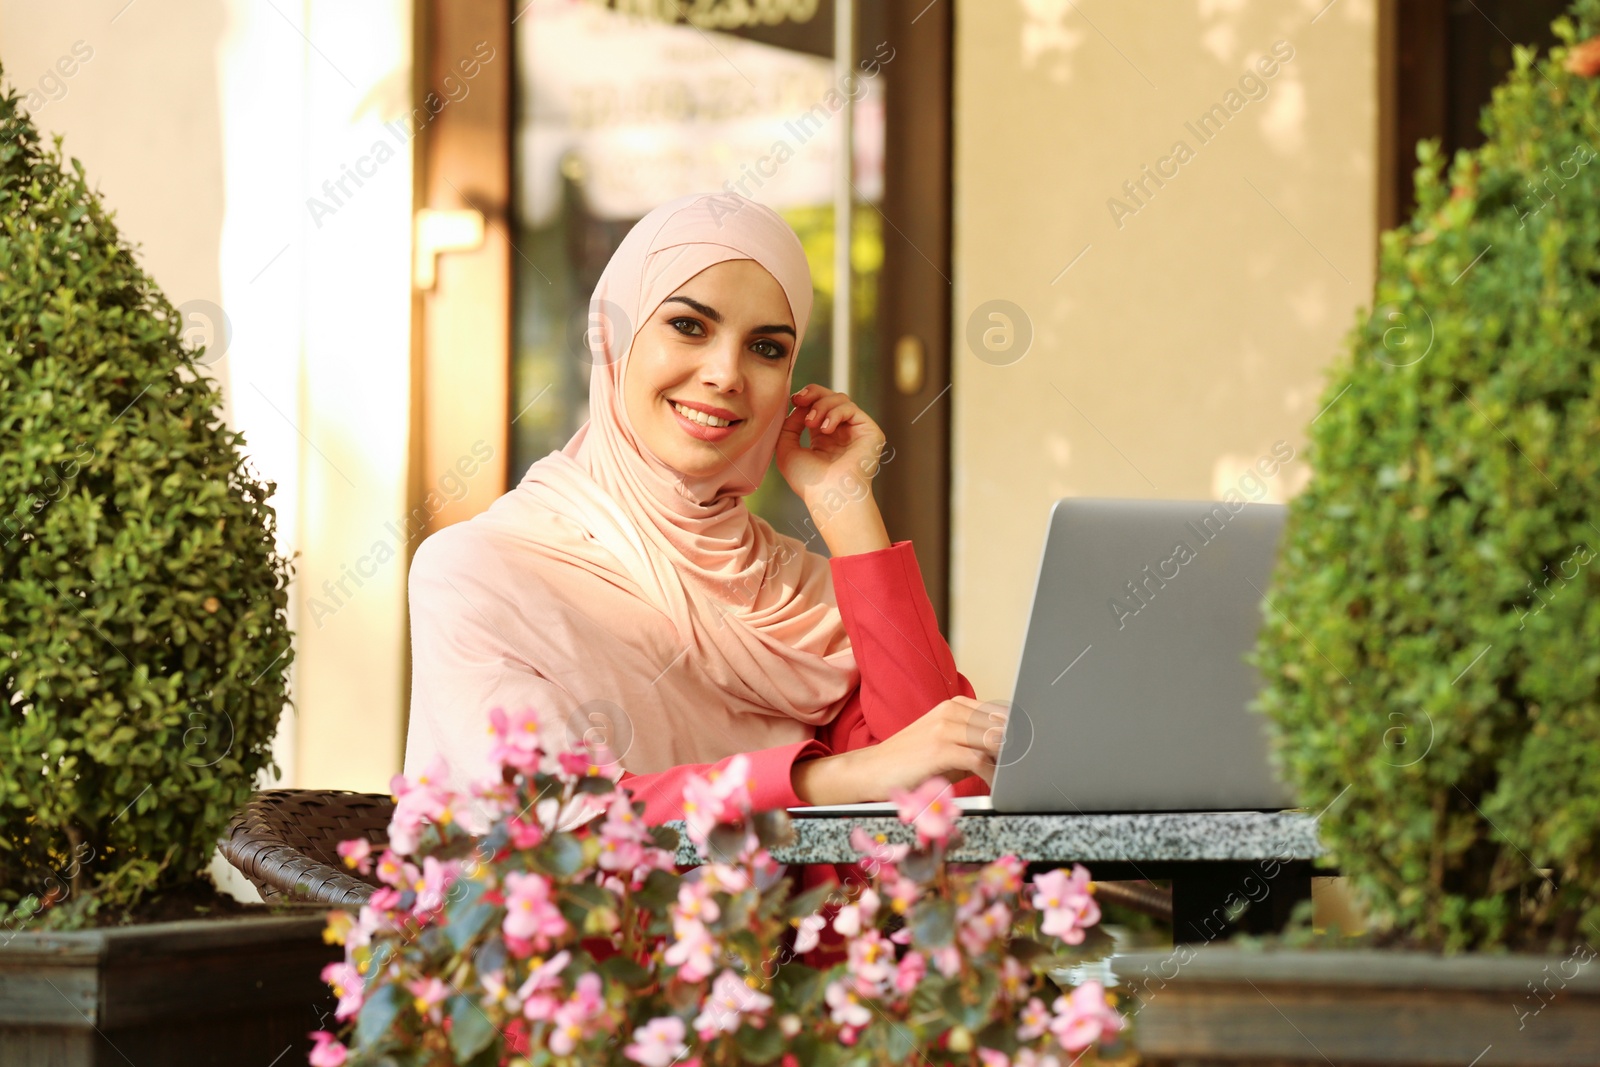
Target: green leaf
{"type": "Point", "coordinates": [470, 1029]}
{"type": "Point", "coordinates": [625, 972]}
{"type": "Point", "coordinates": [900, 1041]}
{"type": "Point", "coordinates": [932, 922]}
{"type": "Point", "coordinates": [660, 889]}
{"type": "Point", "coordinates": [774, 828]}
{"type": "Point", "coordinates": [467, 923]}
{"type": "Point", "coordinates": [760, 1046]}
{"type": "Point", "coordinates": [799, 987]}
{"type": "Point", "coordinates": [807, 903]}
{"type": "Point", "coordinates": [725, 842]}
{"type": "Point", "coordinates": [1026, 949]}
{"type": "Point", "coordinates": [377, 1014]}
{"type": "Point", "coordinates": [561, 855]}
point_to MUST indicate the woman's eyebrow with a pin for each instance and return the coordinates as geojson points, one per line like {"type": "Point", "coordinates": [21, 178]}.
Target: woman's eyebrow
{"type": "Point", "coordinates": [716, 316]}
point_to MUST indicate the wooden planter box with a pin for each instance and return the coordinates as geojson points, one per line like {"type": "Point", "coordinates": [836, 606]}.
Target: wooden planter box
{"type": "Point", "coordinates": [1211, 1005]}
{"type": "Point", "coordinates": [235, 991]}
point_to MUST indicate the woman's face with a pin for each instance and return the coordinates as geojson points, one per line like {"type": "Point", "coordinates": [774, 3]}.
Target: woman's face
{"type": "Point", "coordinates": [709, 369]}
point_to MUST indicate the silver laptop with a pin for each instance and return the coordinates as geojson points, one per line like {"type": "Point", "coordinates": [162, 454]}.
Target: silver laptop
{"type": "Point", "coordinates": [1132, 690]}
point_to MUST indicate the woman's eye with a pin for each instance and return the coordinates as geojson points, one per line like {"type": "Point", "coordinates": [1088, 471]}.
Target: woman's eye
{"type": "Point", "coordinates": [770, 349]}
{"type": "Point", "coordinates": [695, 325]}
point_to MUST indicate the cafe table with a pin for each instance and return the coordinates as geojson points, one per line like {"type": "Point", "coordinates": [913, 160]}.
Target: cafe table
{"type": "Point", "coordinates": [1218, 863]}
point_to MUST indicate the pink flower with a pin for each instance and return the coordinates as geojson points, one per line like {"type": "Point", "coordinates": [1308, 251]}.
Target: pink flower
{"type": "Point", "coordinates": [930, 807]}
{"type": "Point", "coordinates": [328, 1052]}
{"type": "Point", "coordinates": [572, 1019]}
{"type": "Point", "coordinates": [494, 986]}
{"type": "Point", "coordinates": [391, 869]}
{"type": "Point", "coordinates": [692, 951]}
{"type": "Point", "coordinates": [658, 1043]}
{"type": "Point", "coordinates": [978, 932]}
{"type": "Point", "coordinates": [871, 961]}
{"type": "Point", "coordinates": [434, 883]}
{"type": "Point", "coordinates": [367, 920]}
{"type": "Point", "coordinates": [910, 971]}
{"type": "Point", "coordinates": [1084, 1018]}
{"type": "Point", "coordinates": [903, 893]}
{"type": "Point", "coordinates": [847, 1008]}
{"type": "Point", "coordinates": [1001, 877]}
{"type": "Point", "coordinates": [731, 999]}
{"type": "Point", "coordinates": [429, 994]}
{"type": "Point", "coordinates": [356, 853]}
{"type": "Point", "coordinates": [524, 834]}
{"type": "Point", "coordinates": [622, 837]}
{"type": "Point", "coordinates": [537, 1004]}
{"type": "Point", "coordinates": [530, 913]}
{"type": "Point", "coordinates": [990, 1057]}
{"type": "Point", "coordinates": [1066, 902]}
{"type": "Point", "coordinates": [877, 849]}
{"type": "Point", "coordinates": [516, 740]}
{"type": "Point", "coordinates": [722, 795]}
{"type": "Point", "coordinates": [1014, 978]}
{"type": "Point", "coordinates": [384, 900]}
{"type": "Point", "coordinates": [809, 933]}
{"type": "Point", "coordinates": [947, 959]}
{"type": "Point", "coordinates": [1034, 1021]}
{"type": "Point", "coordinates": [419, 800]}
{"type": "Point", "coordinates": [852, 916]}
{"type": "Point", "coordinates": [592, 760]}
{"type": "Point", "coordinates": [347, 986]}
{"type": "Point", "coordinates": [693, 948]}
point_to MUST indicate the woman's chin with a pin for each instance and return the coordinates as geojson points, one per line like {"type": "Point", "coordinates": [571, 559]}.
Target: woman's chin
{"type": "Point", "coordinates": [695, 461]}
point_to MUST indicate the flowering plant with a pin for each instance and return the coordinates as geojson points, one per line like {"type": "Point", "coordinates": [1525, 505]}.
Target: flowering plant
{"type": "Point", "coordinates": [538, 922]}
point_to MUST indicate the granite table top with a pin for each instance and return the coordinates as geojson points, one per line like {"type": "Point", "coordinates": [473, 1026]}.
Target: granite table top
{"type": "Point", "coordinates": [1143, 837]}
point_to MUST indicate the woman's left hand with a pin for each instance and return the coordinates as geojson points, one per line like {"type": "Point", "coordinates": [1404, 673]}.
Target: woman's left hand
{"type": "Point", "coordinates": [845, 452]}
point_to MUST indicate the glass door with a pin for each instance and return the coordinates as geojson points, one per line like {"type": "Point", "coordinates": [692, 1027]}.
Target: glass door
{"type": "Point", "coordinates": [621, 106]}
{"type": "Point", "coordinates": [568, 120]}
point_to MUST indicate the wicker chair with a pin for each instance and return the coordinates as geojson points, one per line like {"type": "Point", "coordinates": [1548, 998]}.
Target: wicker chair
{"type": "Point", "coordinates": [283, 841]}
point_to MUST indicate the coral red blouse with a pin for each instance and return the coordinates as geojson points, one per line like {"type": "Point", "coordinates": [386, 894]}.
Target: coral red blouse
{"type": "Point", "coordinates": [906, 669]}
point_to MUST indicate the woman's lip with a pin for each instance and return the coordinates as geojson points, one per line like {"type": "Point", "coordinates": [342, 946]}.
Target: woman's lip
{"type": "Point", "coordinates": [707, 409]}
{"type": "Point", "coordinates": [703, 433]}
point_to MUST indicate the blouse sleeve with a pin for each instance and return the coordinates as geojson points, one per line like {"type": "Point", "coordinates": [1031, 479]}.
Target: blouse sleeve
{"type": "Point", "coordinates": [771, 774]}
{"type": "Point", "coordinates": [906, 665]}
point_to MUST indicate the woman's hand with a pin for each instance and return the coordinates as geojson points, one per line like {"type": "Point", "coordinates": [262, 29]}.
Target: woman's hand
{"type": "Point", "coordinates": [958, 737]}
{"type": "Point", "coordinates": [845, 450]}
{"type": "Point", "coordinates": [833, 475]}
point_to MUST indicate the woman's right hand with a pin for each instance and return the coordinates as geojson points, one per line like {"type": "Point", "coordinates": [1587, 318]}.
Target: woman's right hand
{"type": "Point", "coordinates": [955, 738]}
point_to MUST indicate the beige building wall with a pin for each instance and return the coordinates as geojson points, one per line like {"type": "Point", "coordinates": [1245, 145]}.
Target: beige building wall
{"type": "Point", "coordinates": [206, 127]}
{"type": "Point", "coordinates": [1176, 337]}
{"type": "Point", "coordinates": [1173, 340]}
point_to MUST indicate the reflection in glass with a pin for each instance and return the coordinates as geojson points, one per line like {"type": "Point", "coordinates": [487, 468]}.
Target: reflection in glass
{"type": "Point", "coordinates": [619, 112]}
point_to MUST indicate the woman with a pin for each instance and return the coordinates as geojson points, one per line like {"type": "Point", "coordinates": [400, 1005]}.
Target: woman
{"type": "Point", "coordinates": [624, 591]}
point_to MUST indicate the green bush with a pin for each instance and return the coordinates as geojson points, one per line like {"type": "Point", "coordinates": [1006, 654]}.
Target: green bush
{"type": "Point", "coordinates": [144, 643]}
{"type": "Point", "coordinates": [1432, 649]}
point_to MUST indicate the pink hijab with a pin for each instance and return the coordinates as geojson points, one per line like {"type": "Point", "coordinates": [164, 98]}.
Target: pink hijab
{"type": "Point", "coordinates": [622, 600]}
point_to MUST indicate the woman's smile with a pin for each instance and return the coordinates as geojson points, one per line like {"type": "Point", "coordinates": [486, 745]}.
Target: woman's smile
{"type": "Point", "coordinates": [707, 376]}
{"type": "Point", "coordinates": [704, 422]}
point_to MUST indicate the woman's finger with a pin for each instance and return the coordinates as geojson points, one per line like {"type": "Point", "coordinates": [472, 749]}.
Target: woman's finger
{"type": "Point", "coordinates": [824, 407]}
{"type": "Point", "coordinates": [836, 415]}
{"type": "Point", "coordinates": [809, 394]}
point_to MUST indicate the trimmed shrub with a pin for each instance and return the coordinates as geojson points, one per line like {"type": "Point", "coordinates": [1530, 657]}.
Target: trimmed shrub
{"type": "Point", "coordinates": [1432, 649]}
{"type": "Point", "coordinates": [144, 641]}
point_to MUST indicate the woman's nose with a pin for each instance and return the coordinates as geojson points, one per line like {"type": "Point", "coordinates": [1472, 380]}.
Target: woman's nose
{"type": "Point", "coordinates": [722, 368]}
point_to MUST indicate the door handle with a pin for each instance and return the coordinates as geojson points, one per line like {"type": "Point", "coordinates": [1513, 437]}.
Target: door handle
{"type": "Point", "coordinates": [443, 231]}
{"type": "Point", "coordinates": [910, 364]}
